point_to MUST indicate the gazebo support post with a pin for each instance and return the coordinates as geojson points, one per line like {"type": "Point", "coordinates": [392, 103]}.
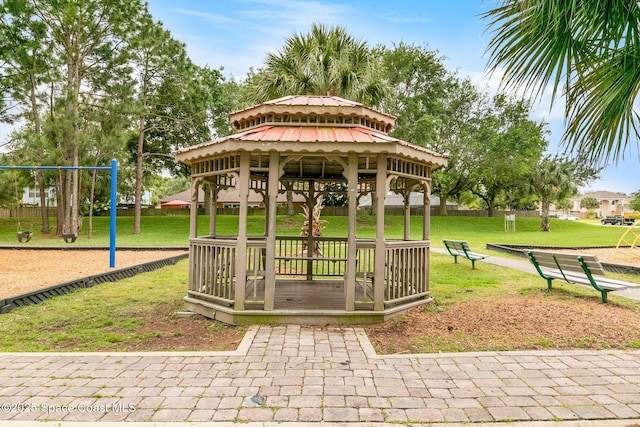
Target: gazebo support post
{"type": "Point", "coordinates": [213, 208]}
{"type": "Point", "coordinates": [379, 260]}
{"type": "Point", "coordinates": [426, 223]}
{"type": "Point", "coordinates": [241, 250]}
{"type": "Point", "coordinates": [193, 214]}
{"type": "Point", "coordinates": [374, 203]}
{"type": "Point", "coordinates": [426, 217]}
{"type": "Point", "coordinates": [311, 201]}
{"type": "Point", "coordinates": [352, 198]}
{"type": "Point", "coordinates": [272, 192]}
{"type": "Point", "coordinates": [406, 196]}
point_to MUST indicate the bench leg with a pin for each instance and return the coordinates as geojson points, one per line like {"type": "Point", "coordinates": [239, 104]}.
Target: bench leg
{"type": "Point", "coordinates": [473, 264]}
{"type": "Point", "coordinates": [549, 283]}
{"type": "Point", "coordinates": [604, 296]}
{"type": "Point", "coordinates": [455, 259]}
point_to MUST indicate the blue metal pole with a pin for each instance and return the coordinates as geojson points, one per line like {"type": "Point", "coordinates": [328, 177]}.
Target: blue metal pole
{"type": "Point", "coordinates": [112, 216]}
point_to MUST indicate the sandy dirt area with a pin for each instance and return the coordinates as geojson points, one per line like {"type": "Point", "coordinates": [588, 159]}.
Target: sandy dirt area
{"type": "Point", "coordinates": [28, 270]}
{"type": "Point", "coordinates": [625, 256]}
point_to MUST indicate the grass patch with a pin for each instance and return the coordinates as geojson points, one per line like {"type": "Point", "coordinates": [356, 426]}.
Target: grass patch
{"type": "Point", "coordinates": [497, 309]}
{"type": "Point", "coordinates": [135, 313]}
{"type": "Point", "coordinates": [174, 230]}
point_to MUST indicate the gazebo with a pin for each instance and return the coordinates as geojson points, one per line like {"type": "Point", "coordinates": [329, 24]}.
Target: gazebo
{"type": "Point", "coordinates": [312, 146]}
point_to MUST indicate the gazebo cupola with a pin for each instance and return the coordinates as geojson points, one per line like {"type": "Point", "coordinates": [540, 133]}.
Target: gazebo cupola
{"type": "Point", "coordinates": [297, 111]}
{"type": "Point", "coordinates": [310, 146]}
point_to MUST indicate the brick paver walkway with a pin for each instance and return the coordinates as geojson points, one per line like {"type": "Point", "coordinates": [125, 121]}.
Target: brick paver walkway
{"type": "Point", "coordinates": [298, 374]}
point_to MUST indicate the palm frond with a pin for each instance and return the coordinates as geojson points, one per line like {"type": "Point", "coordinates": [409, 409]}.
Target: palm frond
{"type": "Point", "coordinates": [325, 61]}
{"type": "Point", "coordinates": [588, 51]}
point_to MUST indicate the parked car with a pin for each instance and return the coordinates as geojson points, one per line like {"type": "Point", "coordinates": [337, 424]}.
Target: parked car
{"type": "Point", "coordinates": [616, 220]}
{"type": "Point", "coordinates": [568, 217]}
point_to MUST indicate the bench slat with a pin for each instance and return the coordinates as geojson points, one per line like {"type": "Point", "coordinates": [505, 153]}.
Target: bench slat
{"type": "Point", "coordinates": [477, 255]}
{"type": "Point", "coordinates": [568, 261]}
{"type": "Point", "coordinates": [584, 280]}
{"type": "Point", "coordinates": [470, 254]}
{"type": "Point", "coordinates": [606, 281]}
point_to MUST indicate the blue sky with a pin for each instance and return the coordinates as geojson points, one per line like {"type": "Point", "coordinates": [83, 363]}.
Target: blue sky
{"type": "Point", "coordinates": [237, 34]}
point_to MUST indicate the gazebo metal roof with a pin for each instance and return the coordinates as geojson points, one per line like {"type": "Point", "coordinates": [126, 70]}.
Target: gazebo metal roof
{"type": "Point", "coordinates": [311, 104]}
{"type": "Point", "coordinates": [294, 120]}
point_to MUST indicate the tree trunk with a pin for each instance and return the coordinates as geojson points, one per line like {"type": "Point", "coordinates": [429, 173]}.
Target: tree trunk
{"type": "Point", "coordinates": [545, 222]}
{"type": "Point", "coordinates": [91, 200]}
{"type": "Point", "coordinates": [290, 211]}
{"type": "Point", "coordinates": [75, 189]}
{"type": "Point", "coordinates": [137, 210]}
{"type": "Point", "coordinates": [60, 202]}
{"type": "Point", "coordinates": [442, 209]}
{"type": "Point", "coordinates": [374, 203]}
{"type": "Point", "coordinates": [39, 178]}
{"type": "Point", "coordinates": [207, 198]}
{"type": "Point", "coordinates": [66, 227]}
{"type": "Point", "coordinates": [72, 150]}
{"type": "Point", "coordinates": [44, 212]}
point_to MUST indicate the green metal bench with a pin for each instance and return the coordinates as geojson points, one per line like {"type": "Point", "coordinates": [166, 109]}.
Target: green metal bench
{"type": "Point", "coordinates": [460, 248]}
{"type": "Point", "coordinates": [580, 269]}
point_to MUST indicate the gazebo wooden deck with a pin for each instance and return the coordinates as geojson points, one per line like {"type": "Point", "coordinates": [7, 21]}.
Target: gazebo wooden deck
{"type": "Point", "coordinates": [311, 146]}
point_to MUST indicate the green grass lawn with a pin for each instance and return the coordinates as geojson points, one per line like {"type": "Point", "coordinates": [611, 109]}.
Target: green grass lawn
{"type": "Point", "coordinates": [94, 318]}
{"type": "Point", "coordinates": [113, 315]}
{"type": "Point", "coordinates": [174, 230]}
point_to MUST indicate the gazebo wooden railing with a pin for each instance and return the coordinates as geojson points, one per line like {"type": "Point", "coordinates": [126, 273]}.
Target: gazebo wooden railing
{"type": "Point", "coordinates": [213, 263]}
{"type": "Point", "coordinates": [406, 270]}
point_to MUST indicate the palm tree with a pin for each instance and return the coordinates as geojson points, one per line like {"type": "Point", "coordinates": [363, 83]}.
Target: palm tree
{"type": "Point", "coordinates": [589, 51]}
{"type": "Point", "coordinates": [555, 178]}
{"type": "Point", "coordinates": [551, 180]}
{"type": "Point", "coordinates": [326, 61]}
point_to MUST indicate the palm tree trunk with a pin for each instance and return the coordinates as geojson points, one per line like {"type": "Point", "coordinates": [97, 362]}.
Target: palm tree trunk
{"type": "Point", "coordinates": [545, 221]}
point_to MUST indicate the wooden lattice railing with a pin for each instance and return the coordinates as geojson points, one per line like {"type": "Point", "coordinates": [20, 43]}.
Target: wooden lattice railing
{"type": "Point", "coordinates": [212, 264]}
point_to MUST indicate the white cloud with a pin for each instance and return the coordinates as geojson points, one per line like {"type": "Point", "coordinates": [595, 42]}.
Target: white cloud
{"type": "Point", "coordinates": [242, 38]}
{"type": "Point", "coordinates": [408, 20]}
{"type": "Point", "coordinates": [216, 19]}
{"type": "Point", "coordinates": [542, 109]}
{"type": "Point", "coordinates": [614, 177]}
{"type": "Point", "coordinates": [5, 130]}
{"type": "Point", "coordinates": [292, 12]}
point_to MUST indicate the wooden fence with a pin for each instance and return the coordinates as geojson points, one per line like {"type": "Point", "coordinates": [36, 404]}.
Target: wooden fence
{"type": "Point", "coordinates": [326, 211]}
{"type": "Point", "coordinates": [26, 213]}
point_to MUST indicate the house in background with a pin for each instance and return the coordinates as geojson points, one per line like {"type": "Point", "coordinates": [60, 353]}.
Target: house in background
{"type": "Point", "coordinates": [31, 197]}
{"type": "Point", "coordinates": [226, 199]}
{"type": "Point", "coordinates": [610, 203]}
{"type": "Point", "coordinates": [230, 199]}
{"type": "Point", "coordinates": [127, 201]}
{"type": "Point", "coordinates": [396, 201]}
